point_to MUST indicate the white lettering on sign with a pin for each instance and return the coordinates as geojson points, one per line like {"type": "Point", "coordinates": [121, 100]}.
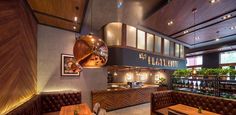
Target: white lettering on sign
{"type": "Point", "coordinates": [158, 61]}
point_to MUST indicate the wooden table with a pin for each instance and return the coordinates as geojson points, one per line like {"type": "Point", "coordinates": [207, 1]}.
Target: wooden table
{"type": "Point", "coordinates": [82, 109]}
{"type": "Point", "coordinates": [187, 110]}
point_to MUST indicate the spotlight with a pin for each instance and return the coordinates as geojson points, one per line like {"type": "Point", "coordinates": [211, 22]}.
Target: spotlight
{"type": "Point", "coordinates": [186, 31]}
{"type": "Point", "coordinates": [170, 23]}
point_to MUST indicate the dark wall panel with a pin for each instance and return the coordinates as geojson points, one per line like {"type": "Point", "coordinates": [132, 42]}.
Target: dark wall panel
{"type": "Point", "coordinates": [211, 60]}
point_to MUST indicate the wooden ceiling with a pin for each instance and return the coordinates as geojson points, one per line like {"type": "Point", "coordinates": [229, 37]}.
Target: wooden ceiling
{"type": "Point", "coordinates": [59, 13]}
{"type": "Point", "coordinates": [208, 20]}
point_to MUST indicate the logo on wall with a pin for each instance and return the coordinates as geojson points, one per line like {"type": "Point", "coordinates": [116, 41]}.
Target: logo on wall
{"type": "Point", "coordinates": [158, 61]}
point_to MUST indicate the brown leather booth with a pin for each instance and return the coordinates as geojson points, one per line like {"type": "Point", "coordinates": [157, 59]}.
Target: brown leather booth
{"type": "Point", "coordinates": [31, 107]}
{"type": "Point", "coordinates": [45, 103]}
{"type": "Point", "coordinates": [162, 99]}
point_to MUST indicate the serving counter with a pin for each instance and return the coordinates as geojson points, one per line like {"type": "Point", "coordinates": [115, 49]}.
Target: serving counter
{"type": "Point", "coordinates": [116, 98]}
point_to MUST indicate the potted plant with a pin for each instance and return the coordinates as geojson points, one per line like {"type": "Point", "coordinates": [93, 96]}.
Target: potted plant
{"type": "Point", "coordinates": [182, 73]}
{"type": "Point", "coordinates": [186, 73]}
{"type": "Point", "coordinates": [211, 73]}
{"type": "Point", "coordinates": [201, 73]}
{"type": "Point", "coordinates": [223, 73]}
{"type": "Point", "coordinates": [162, 82]}
{"type": "Point", "coordinates": [232, 73]}
{"type": "Point", "coordinates": [176, 73]}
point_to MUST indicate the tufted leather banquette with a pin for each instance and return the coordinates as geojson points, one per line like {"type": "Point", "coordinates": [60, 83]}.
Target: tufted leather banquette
{"type": "Point", "coordinates": [31, 107]}
{"type": "Point", "coordinates": [47, 102]}
{"type": "Point", "coordinates": [54, 102]}
{"type": "Point", "coordinates": [164, 99]}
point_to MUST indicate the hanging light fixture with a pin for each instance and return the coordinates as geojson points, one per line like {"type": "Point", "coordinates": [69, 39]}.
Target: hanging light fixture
{"type": "Point", "coordinates": [194, 34]}
{"type": "Point", "coordinates": [89, 50]}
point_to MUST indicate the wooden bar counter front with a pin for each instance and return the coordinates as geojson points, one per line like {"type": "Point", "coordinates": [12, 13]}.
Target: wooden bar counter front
{"type": "Point", "coordinates": [119, 98]}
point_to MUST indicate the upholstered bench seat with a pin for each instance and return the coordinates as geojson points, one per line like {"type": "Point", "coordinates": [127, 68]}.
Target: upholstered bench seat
{"type": "Point", "coordinates": [163, 99]}
{"type": "Point", "coordinates": [47, 103]}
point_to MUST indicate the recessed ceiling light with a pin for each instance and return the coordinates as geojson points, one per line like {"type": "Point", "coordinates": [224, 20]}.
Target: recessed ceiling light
{"type": "Point", "coordinates": [232, 27]}
{"type": "Point", "coordinates": [119, 4]}
{"type": "Point", "coordinates": [74, 27]}
{"type": "Point", "coordinates": [213, 1]}
{"type": "Point", "coordinates": [186, 31]}
{"type": "Point", "coordinates": [197, 38]}
{"type": "Point", "coordinates": [170, 23]}
{"type": "Point", "coordinates": [75, 18]}
{"type": "Point", "coordinates": [227, 16]}
{"type": "Point", "coordinates": [115, 74]}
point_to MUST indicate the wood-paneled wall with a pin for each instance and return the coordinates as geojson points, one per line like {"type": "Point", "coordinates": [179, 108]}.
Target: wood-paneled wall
{"type": "Point", "coordinates": [18, 54]}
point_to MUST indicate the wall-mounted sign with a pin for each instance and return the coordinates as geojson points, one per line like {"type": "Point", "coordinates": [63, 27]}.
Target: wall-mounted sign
{"type": "Point", "coordinates": [159, 61]}
{"type": "Point", "coordinates": [131, 57]}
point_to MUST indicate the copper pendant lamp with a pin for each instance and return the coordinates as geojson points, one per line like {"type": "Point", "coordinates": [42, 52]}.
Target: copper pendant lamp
{"type": "Point", "coordinates": [90, 51]}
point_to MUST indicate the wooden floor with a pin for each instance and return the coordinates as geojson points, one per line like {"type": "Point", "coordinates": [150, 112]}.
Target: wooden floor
{"type": "Point", "coordinates": [143, 109]}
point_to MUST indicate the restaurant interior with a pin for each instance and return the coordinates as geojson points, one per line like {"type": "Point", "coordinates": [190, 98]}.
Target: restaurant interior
{"type": "Point", "coordinates": [118, 57]}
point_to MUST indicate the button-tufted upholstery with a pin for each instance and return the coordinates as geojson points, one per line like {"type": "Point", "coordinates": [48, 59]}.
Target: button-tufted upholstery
{"type": "Point", "coordinates": [45, 103]}
{"type": "Point", "coordinates": [164, 99]}
{"type": "Point", "coordinates": [54, 102]}
{"type": "Point", "coordinates": [31, 107]}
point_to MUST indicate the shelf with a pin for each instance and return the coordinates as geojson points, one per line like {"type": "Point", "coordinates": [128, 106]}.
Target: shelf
{"type": "Point", "coordinates": [195, 79]}
{"type": "Point", "coordinates": [206, 80]}
{"type": "Point", "coordinates": [212, 86]}
{"type": "Point", "coordinates": [196, 91]}
{"type": "Point", "coordinates": [234, 81]}
{"type": "Point", "coordinates": [227, 90]}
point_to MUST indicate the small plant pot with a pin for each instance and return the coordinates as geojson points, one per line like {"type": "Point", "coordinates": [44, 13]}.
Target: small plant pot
{"type": "Point", "coordinates": [232, 77]}
{"type": "Point", "coordinates": [210, 77]}
{"type": "Point", "coordinates": [199, 77]}
{"type": "Point", "coordinates": [223, 78]}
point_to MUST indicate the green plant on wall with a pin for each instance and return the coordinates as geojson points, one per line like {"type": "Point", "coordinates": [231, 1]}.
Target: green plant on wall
{"type": "Point", "coordinates": [182, 73]}
{"type": "Point", "coordinates": [202, 72]}
{"type": "Point", "coordinates": [232, 72]}
{"type": "Point", "coordinates": [176, 73]}
{"type": "Point", "coordinates": [161, 81]}
{"type": "Point", "coordinates": [223, 71]}
{"type": "Point", "coordinates": [205, 72]}
{"type": "Point", "coordinates": [212, 71]}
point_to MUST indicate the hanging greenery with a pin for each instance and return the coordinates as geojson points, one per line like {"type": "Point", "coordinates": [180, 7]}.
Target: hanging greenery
{"type": "Point", "coordinates": [205, 72]}
{"type": "Point", "coordinates": [182, 73]}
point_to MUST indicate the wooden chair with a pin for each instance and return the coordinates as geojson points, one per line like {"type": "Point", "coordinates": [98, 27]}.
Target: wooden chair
{"type": "Point", "coordinates": [96, 108]}
{"type": "Point", "coordinates": [102, 111]}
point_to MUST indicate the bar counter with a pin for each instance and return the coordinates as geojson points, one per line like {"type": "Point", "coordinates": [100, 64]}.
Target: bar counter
{"type": "Point", "coordinates": [116, 98]}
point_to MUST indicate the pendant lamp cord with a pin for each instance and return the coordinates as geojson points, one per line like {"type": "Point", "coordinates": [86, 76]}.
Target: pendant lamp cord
{"type": "Point", "coordinates": [91, 26]}
{"type": "Point", "coordinates": [194, 16]}
{"type": "Point", "coordinates": [194, 34]}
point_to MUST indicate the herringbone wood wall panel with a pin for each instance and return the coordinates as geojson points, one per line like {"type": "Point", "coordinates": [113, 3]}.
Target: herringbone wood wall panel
{"type": "Point", "coordinates": [115, 99]}
{"type": "Point", "coordinates": [18, 56]}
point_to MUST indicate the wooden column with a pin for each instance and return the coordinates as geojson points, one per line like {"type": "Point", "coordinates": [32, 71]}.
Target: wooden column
{"type": "Point", "coordinates": [162, 46]}
{"type": "Point", "coordinates": [123, 36]}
